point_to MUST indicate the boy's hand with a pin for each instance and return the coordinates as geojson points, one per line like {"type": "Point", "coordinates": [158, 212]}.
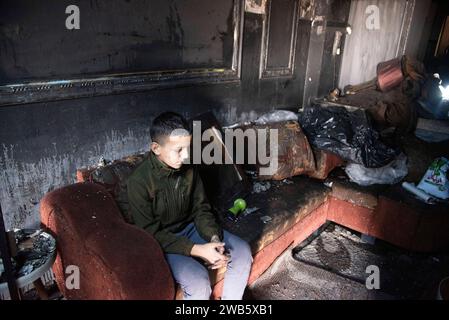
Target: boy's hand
{"type": "Point", "coordinates": [209, 252]}
{"type": "Point", "coordinates": [221, 263]}
{"type": "Point", "coordinates": [216, 239]}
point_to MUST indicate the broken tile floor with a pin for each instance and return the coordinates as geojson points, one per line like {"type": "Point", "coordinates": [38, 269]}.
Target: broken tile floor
{"type": "Point", "coordinates": [331, 265]}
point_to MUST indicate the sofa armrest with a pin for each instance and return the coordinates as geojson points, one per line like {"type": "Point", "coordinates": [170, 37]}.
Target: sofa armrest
{"type": "Point", "coordinates": [115, 260]}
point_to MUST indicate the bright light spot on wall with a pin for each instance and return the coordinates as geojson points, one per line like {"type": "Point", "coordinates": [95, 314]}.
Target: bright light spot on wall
{"type": "Point", "coordinates": [348, 30]}
{"type": "Point", "coordinates": [445, 92]}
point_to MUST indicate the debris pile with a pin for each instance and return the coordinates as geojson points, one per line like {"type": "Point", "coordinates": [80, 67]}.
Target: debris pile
{"type": "Point", "coordinates": [34, 249]}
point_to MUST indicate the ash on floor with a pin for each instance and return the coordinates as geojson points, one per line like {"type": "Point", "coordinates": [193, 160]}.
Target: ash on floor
{"type": "Point", "coordinates": [52, 291]}
{"type": "Point", "coordinates": [333, 266]}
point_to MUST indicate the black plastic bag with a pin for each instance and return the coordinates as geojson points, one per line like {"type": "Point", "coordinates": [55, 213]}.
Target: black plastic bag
{"type": "Point", "coordinates": [347, 134]}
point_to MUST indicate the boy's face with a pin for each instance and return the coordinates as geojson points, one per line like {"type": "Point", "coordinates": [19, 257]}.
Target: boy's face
{"type": "Point", "coordinates": [173, 151]}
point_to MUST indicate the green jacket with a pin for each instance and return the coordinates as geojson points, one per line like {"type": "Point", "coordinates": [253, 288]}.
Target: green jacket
{"type": "Point", "coordinates": [164, 201]}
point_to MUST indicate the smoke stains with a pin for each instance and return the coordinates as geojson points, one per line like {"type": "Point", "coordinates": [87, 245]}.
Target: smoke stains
{"type": "Point", "coordinates": [23, 184]}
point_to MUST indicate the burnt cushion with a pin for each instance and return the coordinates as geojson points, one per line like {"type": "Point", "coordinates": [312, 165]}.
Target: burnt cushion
{"type": "Point", "coordinates": [113, 177]}
{"type": "Point", "coordinates": [295, 156]}
{"type": "Point", "coordinates": [278, 210]}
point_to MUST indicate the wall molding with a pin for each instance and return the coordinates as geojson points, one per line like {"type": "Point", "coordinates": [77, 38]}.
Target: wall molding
{"type": "Point", "coordinates": [407, 19]}
{"type": "Point", "coordinates": [277, 72]}
{"type": "Point", "coordinates": [106, 84]}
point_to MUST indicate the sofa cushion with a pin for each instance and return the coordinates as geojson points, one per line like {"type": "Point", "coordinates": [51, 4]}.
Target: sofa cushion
{"type": "Point", "coordinates": [295, 156]}
{"type": "Point", "coordinates": [278, 210]}
{"type": "Point", "coordinates": [114, 177]}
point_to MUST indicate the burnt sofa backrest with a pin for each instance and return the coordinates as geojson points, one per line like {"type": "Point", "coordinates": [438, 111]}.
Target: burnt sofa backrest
{"type": "Point", "coordinates": [113, 177]}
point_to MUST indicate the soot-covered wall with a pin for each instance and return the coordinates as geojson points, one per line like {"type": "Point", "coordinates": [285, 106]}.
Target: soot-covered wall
{"type": "Point", "coordinates": [69, 97]}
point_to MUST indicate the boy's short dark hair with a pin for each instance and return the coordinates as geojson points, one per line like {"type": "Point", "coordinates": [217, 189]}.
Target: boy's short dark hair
{"type": "Point", "coordinates": [165, 123]}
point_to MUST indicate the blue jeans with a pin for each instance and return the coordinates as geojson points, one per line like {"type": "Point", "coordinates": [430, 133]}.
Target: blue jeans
{"type": "Point", "coordinates": [193, 276]}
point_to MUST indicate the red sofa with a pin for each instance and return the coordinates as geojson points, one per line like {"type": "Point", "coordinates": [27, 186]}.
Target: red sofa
{"type": "Point", "coordinates": [119, 261]}
{"type": "Point", "coordinates": [116, 260]}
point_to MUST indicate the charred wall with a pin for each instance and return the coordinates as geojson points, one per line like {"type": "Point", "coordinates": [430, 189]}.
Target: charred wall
{"type": "Point", "coordinates": [130, 60]}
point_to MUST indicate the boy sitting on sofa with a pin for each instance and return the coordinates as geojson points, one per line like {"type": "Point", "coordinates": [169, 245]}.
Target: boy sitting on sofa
{"type": "Point", "coordinates": [167, 199]}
